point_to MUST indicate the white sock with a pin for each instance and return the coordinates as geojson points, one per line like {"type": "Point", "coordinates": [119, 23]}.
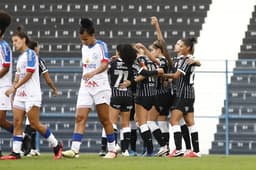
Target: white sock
{"type": "Point", "coordinates": [111, 146]}
{"type": "Point", "coordinates": [75, 146]}
{"type": "Point", "coordinates": [52, 140]}
{"type": "Point", "coordinates": [17, 146]}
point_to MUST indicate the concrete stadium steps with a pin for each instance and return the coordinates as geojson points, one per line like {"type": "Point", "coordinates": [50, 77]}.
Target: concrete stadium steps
{"type": "Point", "coordinates": [52, 23]}
{"type": "Point", "coordinates": [235, 147]}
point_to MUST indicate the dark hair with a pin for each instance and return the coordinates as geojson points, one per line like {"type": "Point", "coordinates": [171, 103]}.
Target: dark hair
{"type": "Point", "coordinates": [5, 21]}
{"type": "Point", "coordinates": [32, 44]}
{"type": "Point", "coordinates": [86, 26]}
{"type": "Point", "coordinates": [21, 33]}
{"type": "Point", "coordinates": [127, 53]}
{"type": "Point", "coordinates": [163, 47]}
{"type": "Point", "coordinates": [190, 42]}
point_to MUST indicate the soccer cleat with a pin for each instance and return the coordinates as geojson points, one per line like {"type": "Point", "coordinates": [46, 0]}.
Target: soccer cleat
{"type": "Point", "coordinates": [162, 151]}
{"type": "Point", "coordinates": [146, 154]}
{"type": "Point", "coordinates": [132, 153]}
{"type": "Point", "coordinates": [192, 154]}
{"type": "Point", "coordinates": [117, 148]}
{"type": "Point", "coordinates": [102, 153]}
{"type": "Point", "coordinates": [33, 152]}
{"type": "Point", "coordinates": [144, 151]}
{"type": "Point", "coordinates": [175, 153]}
{"type": "Point", "coordinates": [110, 155]}
{"type": "Point", "coordinates": [70, 154]}
{"type": "Point", "coordinates": [12, 156]}
{"type": "Point", "coordinates": [58, 151]}
{"type": "Point", "coordinates": [125, 153]}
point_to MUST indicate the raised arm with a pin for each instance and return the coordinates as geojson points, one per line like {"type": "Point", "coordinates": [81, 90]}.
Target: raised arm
{"type": "Point", "coordinates": [155, 23]}
{"type": "Point", "coordinates": [147, 53]}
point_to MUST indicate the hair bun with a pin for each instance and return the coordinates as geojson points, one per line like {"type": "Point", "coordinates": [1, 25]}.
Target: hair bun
{"type": "Point", "coordinates": [193, 40]}
{"type": "Point", "coordinates": [85, 22]}
{"type": "Point", "coordinates": [19, 28]}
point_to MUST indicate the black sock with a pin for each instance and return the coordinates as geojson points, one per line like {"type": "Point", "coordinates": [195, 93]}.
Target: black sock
{"type": "Point", "coordinates": [116, 135]}
{"type": "Point", "coordinates": [33, 139]}
{"type": "Point", "coordinates": [127, 138]}
{"type": "Point", "coordinates": [159, 137]}
{"type": "Point", "coordinates": [122, 145]}
{"type": "Point", "coordinates": [147, 138]}
{"type": "Point", "coordinates": [133, 139]}
{"type": "Point", "coordinates": [177, 140]}
{"type": "Point", "coordinates": [166, 136]}
{"type": "Point", "coordinates": [32, 133]}
{"type": "Point", "coordinates": [186, 136]}
{"type": "Point", "coordinates": [195, 142]}
{"type": "Point", "coordinates": [103, 144]}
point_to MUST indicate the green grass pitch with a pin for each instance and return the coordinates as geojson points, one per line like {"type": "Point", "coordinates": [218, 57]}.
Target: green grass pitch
{"type": "Point", "coordinates": [94, 162]}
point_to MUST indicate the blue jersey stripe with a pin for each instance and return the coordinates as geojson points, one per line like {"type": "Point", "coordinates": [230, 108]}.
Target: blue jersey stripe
{"type": "Point", "coordinates": [31, 60]}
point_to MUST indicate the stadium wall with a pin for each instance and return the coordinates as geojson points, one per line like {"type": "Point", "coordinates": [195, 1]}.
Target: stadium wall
{"type": "Point", "coordinates": [219, 40]}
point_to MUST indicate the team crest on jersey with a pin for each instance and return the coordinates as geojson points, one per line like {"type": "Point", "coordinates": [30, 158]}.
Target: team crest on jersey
{"type": "Point", "coordinates": [87, 60]}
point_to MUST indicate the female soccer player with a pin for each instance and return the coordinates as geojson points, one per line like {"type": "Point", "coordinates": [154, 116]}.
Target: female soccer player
{"type": "Point", "coordinates": [185, 97]}
{"type": "Point", "coordinates": [27, 98]}
{"type": "Point", "coordinates": [94, 89]}
{"type": "Point", "coordinates": [29, 146]}
{"type": "Point", "coordinates": [146, 72]}
{"type": "Point", "coordinates": [122, 99]}
{"type": "Point", "coordinates": [5, 73]}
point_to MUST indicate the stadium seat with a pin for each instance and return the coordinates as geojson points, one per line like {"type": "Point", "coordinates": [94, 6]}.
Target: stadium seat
{"type": "Point", "coordinates": [55, 25]}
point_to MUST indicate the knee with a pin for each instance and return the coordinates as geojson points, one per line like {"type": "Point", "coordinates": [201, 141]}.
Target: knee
{"type": "Point", "coordinates": [80, 118]}
{"type": "Point", "coordinates": [105, 122]}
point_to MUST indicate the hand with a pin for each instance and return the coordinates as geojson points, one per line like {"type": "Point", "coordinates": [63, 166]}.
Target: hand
{"type": "Point", "coordinates": [114, 57]}
{"type": "Point", "coordinates": [160, 72]}
{"type": "Point", "coordinates": [10, 91]}
{"type": "Point", "coordinates": [140, 46]}
{"type": "Point", "coordinates": [88, 75]}
{"type": "Point", "coordinates": [190, 61]}
{"type": "Point", "coordinates": [154, 20]}
{"type": "Point", "coordinates": [55, 92]}
{"type": "Point", "coordinates": [167, 75]}
{"type": "Point", "coordinates": [125, 84]}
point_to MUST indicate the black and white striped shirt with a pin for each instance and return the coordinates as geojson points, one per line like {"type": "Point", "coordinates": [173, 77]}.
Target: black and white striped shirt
{"type": "Point", "coordinates": [163, 86]}
{"type": "Point", "coordinates": [146, 87]}
{"type": "Point", "coordinates": [42, 66]}
{"type": "Point", "coordinates": [185, 83]}
{"type": "Point", "coordinates": [118, 72]}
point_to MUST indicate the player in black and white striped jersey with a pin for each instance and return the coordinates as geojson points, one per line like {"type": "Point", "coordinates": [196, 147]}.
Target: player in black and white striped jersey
{"type": "Point", "coordinates": [163, 97]}
{"type": "Point", "coordinates": [121, 102]}
{"type": "Point", "coordinates": [185, 97]}
{"type": "Point", "coordinates": [191, 61]}
{"type": "Point", "coordinates": [122, 99]}
{"type": "Point", "coordinates": [146, 79]}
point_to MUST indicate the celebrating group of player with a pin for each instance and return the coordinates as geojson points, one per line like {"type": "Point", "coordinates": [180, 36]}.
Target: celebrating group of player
{"type": "Point", "coordinates": [137, 83]}
{"type": "Point", "coordinates": [143, 84]}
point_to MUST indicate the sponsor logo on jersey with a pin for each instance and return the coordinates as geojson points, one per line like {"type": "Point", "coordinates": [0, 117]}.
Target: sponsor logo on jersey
{"type": "Point", "coordinates": [21, 93]}
{"type": "Point", "coordinates": [91, 84]}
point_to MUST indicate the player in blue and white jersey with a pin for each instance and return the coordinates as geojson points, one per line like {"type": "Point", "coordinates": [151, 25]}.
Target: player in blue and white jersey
{"type": "Point", "coordinates": [5, 73]}
{"type": "Point", "coordinates": [27, 99]}
{"type": "Point", "coordinates": [94, 89]}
